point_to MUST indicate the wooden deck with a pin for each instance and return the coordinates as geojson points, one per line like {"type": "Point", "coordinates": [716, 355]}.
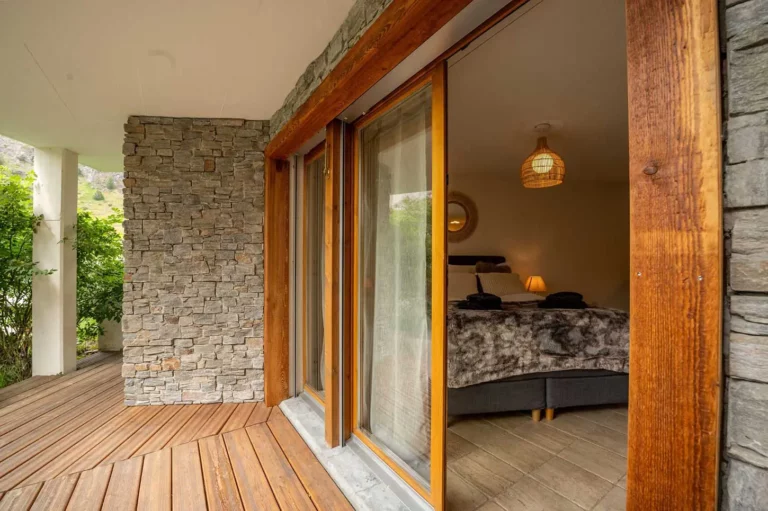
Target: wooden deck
{"type": "Point", "coordinates": [68, 442]}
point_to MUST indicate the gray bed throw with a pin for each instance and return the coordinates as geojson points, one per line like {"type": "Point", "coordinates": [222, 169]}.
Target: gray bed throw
{"type": "Point", "coordinates": [488, 345]}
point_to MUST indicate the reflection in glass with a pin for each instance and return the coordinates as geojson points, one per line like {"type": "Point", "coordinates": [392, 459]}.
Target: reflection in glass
{"type": "Point", "coordinates": [395, 281]}
{"type": "Point", "coordinates": [313, 254]}
{"type": "Point", "coordinates": [457, 217]}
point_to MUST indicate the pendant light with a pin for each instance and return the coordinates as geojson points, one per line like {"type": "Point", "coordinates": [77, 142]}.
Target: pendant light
{"type": "Point", "coordinates": [544, 167]}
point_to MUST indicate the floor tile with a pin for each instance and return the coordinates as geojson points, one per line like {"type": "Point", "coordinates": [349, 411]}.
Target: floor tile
{"type": "Point", "coordinates": [576, 484]}
{"type": "Point", "coordinates": [605, 417]}
{"type": "Point", "coordinates": [456, 447]}
{"type": "Point", "coordinates": [544, 436]}
{"type": "Point", "coordinates": [593, 458]}
{"type": "Point", "coordinates": [486, 472]}
{"type": "Point", "coordinates": [490, 506]}
{"type": "Point", "coordinates": [588, 430]}
{"type": "Point", "coordinates": [529, 495]}
{"type": "Point", "coordinates": [623, 482]}
{"type": "Point", "coordinates": [460, 495]}
{"type": "Point", "coordinates": [522, 455]}
{"type": "Point", "coordinates": [509, 421]}
{"type": "Point", "coordinates": [616, 500]}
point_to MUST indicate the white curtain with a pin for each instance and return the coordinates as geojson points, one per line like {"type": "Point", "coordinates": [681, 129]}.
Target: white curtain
{"type": "Point", "coordinates": [396, 254]}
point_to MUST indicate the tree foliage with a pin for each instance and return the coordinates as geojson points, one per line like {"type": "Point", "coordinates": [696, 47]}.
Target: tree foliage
{"type": "Point", "coordinates": [99, 268]}
{"type": "Point", "coordinates": [99, 274]}
{"type": "Point", "coordinates": [18, 223]}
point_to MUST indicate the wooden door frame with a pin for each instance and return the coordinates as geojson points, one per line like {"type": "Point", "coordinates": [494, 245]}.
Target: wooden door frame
{"type": "Point", "coordinates": [675, 227]}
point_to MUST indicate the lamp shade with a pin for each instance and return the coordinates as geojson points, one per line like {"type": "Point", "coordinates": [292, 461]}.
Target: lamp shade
{"type": "Point", "coordinates": [535, 284]}
{"type": "Point", "coordinates": [543, 168]}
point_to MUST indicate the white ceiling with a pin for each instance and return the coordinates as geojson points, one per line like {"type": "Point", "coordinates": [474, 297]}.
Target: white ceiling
{"type": "Point", "coordinates": [74, 70]}
{"type": "Point", "coordinates": [563, 62]}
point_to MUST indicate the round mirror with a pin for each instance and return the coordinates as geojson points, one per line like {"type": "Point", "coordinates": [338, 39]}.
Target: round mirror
{"type": "Point", "coordinates": [457, 216]}
{"type": "Point", "coordinates": [461, 217]}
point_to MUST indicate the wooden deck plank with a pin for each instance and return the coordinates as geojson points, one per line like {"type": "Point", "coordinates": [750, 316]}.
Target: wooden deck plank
{"type": "Point", "coordinates": [161, 438]}
{"type": "Point", "coordinates": [321, 488]}
{"type": "Point", "coordinates": [144, 432]}
{"type": "Point", "coordinates": [24, 386]}
{"type": "Point", "coordinates": [214, 424]}
{"type": "Point", "coordinates": [18, 438]}
{"type": "Point", "coordinates": [285, 484]}
{"type": "Point", "coordinates": [220, 486]}
{"type": "Point", "coordinates": [155, 489]}
{"type": "Point", "coordinates": [54, 460]}
{"type": "Point", "coordinates": [20, 499]}
{"type": "Point", "coordinates": [188, 432]}
{"type": "Point", "coordinates": [54, 386]}
{"type": "Point", "coordinates": [32, 407]}
{"type": "Point", "coordinates": [255, 492]}
{"type": "Point", "coordinates": [260, 414]}
{"type": "Point", "coordinates": [33, 457]}
{"type": "Point", "coordinates": [239, 417]}
{"type": "Point", "coordinates": [87, 453]}
{"type": "Point", "coordinates": [187, 478]}
{"type": "Point", "coordinates": [56, 493]}
{"type": "Point", "coordinates": [123, 490]}
{"type": "Point", "coordinates": [90, 489]}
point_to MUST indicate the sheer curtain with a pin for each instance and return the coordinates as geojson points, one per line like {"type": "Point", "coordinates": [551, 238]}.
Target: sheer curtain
{"type": "Point", "coordinates": [314, 254]}
{"type": "Point", "coordinates": [395, 280]}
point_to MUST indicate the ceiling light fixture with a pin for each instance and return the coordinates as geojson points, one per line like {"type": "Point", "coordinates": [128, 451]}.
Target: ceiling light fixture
{"type": "Point", "coordinates": [544, 167]}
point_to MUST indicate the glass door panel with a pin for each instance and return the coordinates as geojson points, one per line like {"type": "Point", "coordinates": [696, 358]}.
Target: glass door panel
{"type": "Point", "coordinates": [399, 402]}
{"type": "Point", "coordinates": [313, 255]}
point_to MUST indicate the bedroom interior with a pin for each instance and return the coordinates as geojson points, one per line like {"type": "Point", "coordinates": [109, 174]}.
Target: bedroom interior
{"type": "Point", "coordinates": [538, 388]}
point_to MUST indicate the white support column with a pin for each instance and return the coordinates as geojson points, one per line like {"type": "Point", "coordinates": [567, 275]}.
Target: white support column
{"type": "Point", "coordinates": [54, 310]}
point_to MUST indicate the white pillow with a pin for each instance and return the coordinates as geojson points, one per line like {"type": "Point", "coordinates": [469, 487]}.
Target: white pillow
{"type": "Point", "coordinates": [501, 284]}
{"type": "Point", "coordinates": [461, 285]}
{"type": "Point", "coordinates": [521, 297]}
{"type": "Point", "coordinates": [461, 268]}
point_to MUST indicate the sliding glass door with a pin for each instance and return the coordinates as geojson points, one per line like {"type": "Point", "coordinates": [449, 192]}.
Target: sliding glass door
{"type": "Point", "coordinates": [399, 257]}
{"type": "Point", "coordinates": [313, 272]}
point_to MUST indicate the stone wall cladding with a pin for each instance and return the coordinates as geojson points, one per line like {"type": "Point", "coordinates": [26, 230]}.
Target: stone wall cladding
{"type": "Point", "coordinates": [745, 425]}
{"type": "Point", "coordinates": [361, 16]}
{"type": "Point", "coordinates": [194, 269]}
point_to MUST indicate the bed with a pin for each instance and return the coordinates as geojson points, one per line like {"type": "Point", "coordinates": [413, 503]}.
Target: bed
{"type": "Point", "coordinates": [527, 358]}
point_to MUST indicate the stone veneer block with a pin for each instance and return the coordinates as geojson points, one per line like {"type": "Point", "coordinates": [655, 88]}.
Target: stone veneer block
{"type": "Point", "coordinates": [193, 301]}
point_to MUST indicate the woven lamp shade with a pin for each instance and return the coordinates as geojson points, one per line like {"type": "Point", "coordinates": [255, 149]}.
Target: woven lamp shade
{"type": "Point", "coordinates": [543, 167]}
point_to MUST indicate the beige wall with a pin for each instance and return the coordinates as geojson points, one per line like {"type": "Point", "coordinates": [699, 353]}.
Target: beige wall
{"type": "Point", "coordinates": [575, 235]}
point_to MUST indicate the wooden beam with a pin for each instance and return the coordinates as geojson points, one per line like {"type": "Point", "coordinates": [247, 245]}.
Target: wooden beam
{"type": "Point", "coordinates": [676, 254]}
{"type": "Point", "coordinates": [276, 280]}
{"type": "Point", "coordinates": [332, 281]}
{"type": "Point", "coordinates": [397, 32]}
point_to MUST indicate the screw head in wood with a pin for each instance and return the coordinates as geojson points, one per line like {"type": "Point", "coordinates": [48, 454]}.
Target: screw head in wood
{"type": "Point", "coordinates": [650, 169]}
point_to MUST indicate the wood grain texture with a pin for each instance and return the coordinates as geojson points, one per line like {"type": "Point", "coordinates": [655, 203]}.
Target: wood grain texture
{"type": "Point", "coordinates": [20, 499]}
{"type": "Point", "coordinates": [220, 486]}
{"type": "Point", "coordinates": [438, 382]}
{"type": "Point", "coordinates": [155, 490]}
{"type": "Point", "coordinates": [332, 281]}
{"type": "Point", "coordinates": [675, 254]}
{"type": "Point", "coordinates": [55, 494]}
{"type": "Point", "coordinates": [399, 30]}
{"type": "Point", "coordinates": [90, 489]}
{"type": "Point", "coordinates": [123, 489]}
{"type": "Point", "coordinates": [254, 487]}
{"type": "Point", "coordinates": [321, 488]}
{"type": "Point", "coordinates": [276, 279]}
{"type": "Point", "coordinates": [187, 478]}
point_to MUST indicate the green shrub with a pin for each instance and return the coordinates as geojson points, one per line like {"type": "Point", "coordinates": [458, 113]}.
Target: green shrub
{"type": "Point", "coordinates": [97, 195]}
{"type": "Point", "coordinates": [99, 268]}
{"type": "Point", "coordinates": [110, 184]}
{"type": "Point", "coordinates": [17, 226]}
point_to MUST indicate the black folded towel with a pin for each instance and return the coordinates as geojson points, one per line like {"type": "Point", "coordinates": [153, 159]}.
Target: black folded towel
{"type": "Point", "coordinates": [563, 300]}
{"type": "Point", "coordinates": [480, 301]}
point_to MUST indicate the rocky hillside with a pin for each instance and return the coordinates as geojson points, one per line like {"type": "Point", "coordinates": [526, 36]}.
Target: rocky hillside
{"type": "Point", "coordinates": [98, 192]}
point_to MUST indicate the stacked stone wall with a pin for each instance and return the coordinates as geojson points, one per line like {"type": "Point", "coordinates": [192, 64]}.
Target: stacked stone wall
{"type": "Point", "coordinates": [193, 301]}
{"type": "Point", "coordinates": [745, 425]}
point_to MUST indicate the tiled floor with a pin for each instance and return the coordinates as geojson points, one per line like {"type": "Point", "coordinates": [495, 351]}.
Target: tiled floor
{"type": "Point", "coordinates": [508, 462]}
